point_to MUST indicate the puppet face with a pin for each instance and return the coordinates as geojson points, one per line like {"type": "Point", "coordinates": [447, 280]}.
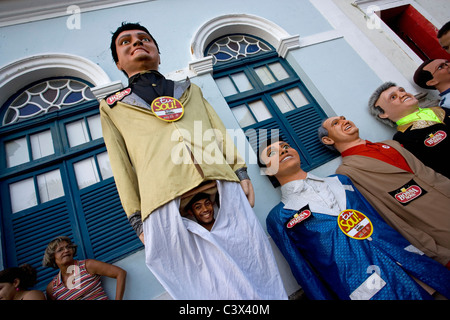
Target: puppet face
{"type": "Point", "coordinates": [136, 52]}
{"type": "Point", "coordinates": [340, 130]}
{"type": "Point", "coordinates": [279, 157]}
{"type": "Point", "coordinates": [397, 103]}
{"type": "Point", "coordinates": [440, 70]}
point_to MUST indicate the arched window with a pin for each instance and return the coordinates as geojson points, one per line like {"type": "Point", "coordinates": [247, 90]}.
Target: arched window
{"type": "Point", "coordinates": [47, 96]}
{"type": "Point", "coordinates": [264, 92]}
{"type": "Point", "coordinates": [55, 177]}
{"type": "Point", "coordinates": [235, 47]}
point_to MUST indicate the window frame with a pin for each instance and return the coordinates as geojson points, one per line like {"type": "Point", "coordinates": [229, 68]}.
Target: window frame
{"type": "Point", "coordinates": [73, 213]}
{"type": "Point", "coordinates": [12, 98]}
{"type": "Point", "coordinates": [264, 92]}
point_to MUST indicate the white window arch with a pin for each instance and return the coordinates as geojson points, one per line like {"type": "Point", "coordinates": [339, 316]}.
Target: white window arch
{"type": "Point", "coordinates": [220, 26]}
{"type": "Point", "coordinates": [21, 73]}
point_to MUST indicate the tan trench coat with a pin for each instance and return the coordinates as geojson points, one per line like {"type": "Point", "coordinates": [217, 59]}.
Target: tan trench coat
{"type": "Point", "coordinates": [424, 221]}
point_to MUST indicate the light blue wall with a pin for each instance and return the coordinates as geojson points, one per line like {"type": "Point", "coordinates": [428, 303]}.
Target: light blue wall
{"type": "Point", "coordinates": [333, 72]}
{"type": "Point", "coordinates": [344, 81]}
{"type": "Point", "coordinates": [171, 22]}
{"type": "Point", "coordinates": [140, 283]}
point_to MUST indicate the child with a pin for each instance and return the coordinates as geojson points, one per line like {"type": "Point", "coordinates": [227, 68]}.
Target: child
{"type": "Point", "coordinates": [201, 208]}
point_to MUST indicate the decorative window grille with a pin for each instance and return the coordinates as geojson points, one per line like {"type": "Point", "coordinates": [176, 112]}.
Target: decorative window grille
{"type": "Point", "coordinates": [47, 96]}
{"type": "Point", "coordinates": [235, 47]}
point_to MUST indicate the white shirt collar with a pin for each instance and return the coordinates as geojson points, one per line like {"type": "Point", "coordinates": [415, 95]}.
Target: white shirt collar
{"type": "Point", "coordinates": [297, 185]}
{"type": "Point", "coordinates": [298, 193]}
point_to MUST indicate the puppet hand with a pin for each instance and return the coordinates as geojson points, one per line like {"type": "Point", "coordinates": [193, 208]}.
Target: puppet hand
{"type": "Point", "coordinates": [248, 190]}
{"type": "Point", "coordinates": [141, 237]}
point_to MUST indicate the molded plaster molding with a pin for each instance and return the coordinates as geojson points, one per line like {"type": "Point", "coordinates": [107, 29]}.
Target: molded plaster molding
{"type": "Point", "coordinates": [21, 73]}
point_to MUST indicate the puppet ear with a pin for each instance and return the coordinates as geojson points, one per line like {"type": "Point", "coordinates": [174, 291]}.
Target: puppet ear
{"type": "Point", "coordinates": [431, 83]}
{"type": "Point", "coordinates": [383, 116]}
{"type": "Point", "coordinates": [119, 66]}
{"type": "Point", "coordinates": [327, 141]}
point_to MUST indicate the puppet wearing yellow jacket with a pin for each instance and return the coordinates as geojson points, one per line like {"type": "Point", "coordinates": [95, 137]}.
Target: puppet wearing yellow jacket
{"type": "Point", "coordinates": [155, 163]}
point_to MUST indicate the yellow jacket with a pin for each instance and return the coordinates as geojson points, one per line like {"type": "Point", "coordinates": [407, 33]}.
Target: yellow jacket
{"type": "Point", "coordinates": [152, 160]}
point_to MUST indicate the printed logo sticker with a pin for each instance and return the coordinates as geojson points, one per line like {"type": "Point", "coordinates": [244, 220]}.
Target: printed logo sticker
{"type": "Point", "coordinates": [434, 138]}
{"type": "Point", "coordinates": [407, 193]}
{"type": "Point", "coordinates": [301, 215]}
{"type": "Point", "coordinates": [355, 224]}
{"type": "Point", "coordinates": [167, 108]}
{"type": "Point", "coordinates": [118, 96]}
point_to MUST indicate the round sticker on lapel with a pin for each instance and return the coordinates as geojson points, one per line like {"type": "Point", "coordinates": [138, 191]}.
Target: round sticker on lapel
{"type": "Point", "coordinates": [355, 225]}
{"type": "Point", "coordinates": [167, 108]}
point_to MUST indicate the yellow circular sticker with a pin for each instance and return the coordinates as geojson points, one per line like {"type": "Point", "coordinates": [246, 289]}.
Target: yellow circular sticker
{"type": "Point", "coordinates": [355, 224]}
{"type": "Point", "coordinates": [167, 108]}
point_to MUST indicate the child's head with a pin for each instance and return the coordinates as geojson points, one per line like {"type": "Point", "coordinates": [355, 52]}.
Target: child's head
{"type": "Point", "coordinates": [201, 207]}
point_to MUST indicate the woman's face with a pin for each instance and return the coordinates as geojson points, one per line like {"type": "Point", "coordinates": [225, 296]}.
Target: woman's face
{"type": "Point", "coordinates": [64, 253]}
{"type": "Point", "coordinates": [7, 291]}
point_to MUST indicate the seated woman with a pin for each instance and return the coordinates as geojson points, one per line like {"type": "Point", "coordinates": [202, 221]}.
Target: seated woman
{"type": "Point", "coordinates": [78, 280]}
{"type": "Point", "coordinates": [14, 284]}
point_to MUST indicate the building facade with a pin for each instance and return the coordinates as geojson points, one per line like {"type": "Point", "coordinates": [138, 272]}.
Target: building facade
{"type": "Point", "coordinates": [263, 66]}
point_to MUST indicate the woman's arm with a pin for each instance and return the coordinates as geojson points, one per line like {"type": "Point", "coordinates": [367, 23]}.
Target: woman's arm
{"type": "Point", "coordinates": [34, 295]}
{"type": "Point", "coordinates": [49, 291]}
{"type": "Point", "coordinates": [109, 270]}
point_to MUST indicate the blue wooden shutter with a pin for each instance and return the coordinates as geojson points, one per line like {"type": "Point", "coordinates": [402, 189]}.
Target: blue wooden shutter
{"type": "Point", "coordinates": [304, 123]}
{"type": "Point", "coordinates": [28, 232]}
{"type": "Point", "coordinates": [108, 231]}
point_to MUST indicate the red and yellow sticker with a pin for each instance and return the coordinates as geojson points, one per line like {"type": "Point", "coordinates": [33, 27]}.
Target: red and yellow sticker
{"type": "Point", "coordinates": [111, 100]}
{"type": "Point", "coordinates": [355, 224]}
{"type": "Point", "coordinates": [298, 217]}
{"type": "Point", "coordinates": [434, 139]}
{"type": "Point", "coordinates": [167, 108]}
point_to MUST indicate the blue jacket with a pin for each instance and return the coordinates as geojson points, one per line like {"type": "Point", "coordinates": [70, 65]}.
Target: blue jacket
{"type": "Point", "coordinates": [328, 264]}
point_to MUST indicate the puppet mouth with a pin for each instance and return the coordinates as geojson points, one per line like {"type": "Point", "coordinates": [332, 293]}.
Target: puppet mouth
{"type": "Point", "coordinates": [137, 49]}
{"type": "Point", "coordinates": [348, 127]}
{"type": "Point", "coordinates": [286, 158]}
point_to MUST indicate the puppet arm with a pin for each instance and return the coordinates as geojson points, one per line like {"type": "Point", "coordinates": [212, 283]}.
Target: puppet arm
{"type": "Point", "coordinates": [123, 171]}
